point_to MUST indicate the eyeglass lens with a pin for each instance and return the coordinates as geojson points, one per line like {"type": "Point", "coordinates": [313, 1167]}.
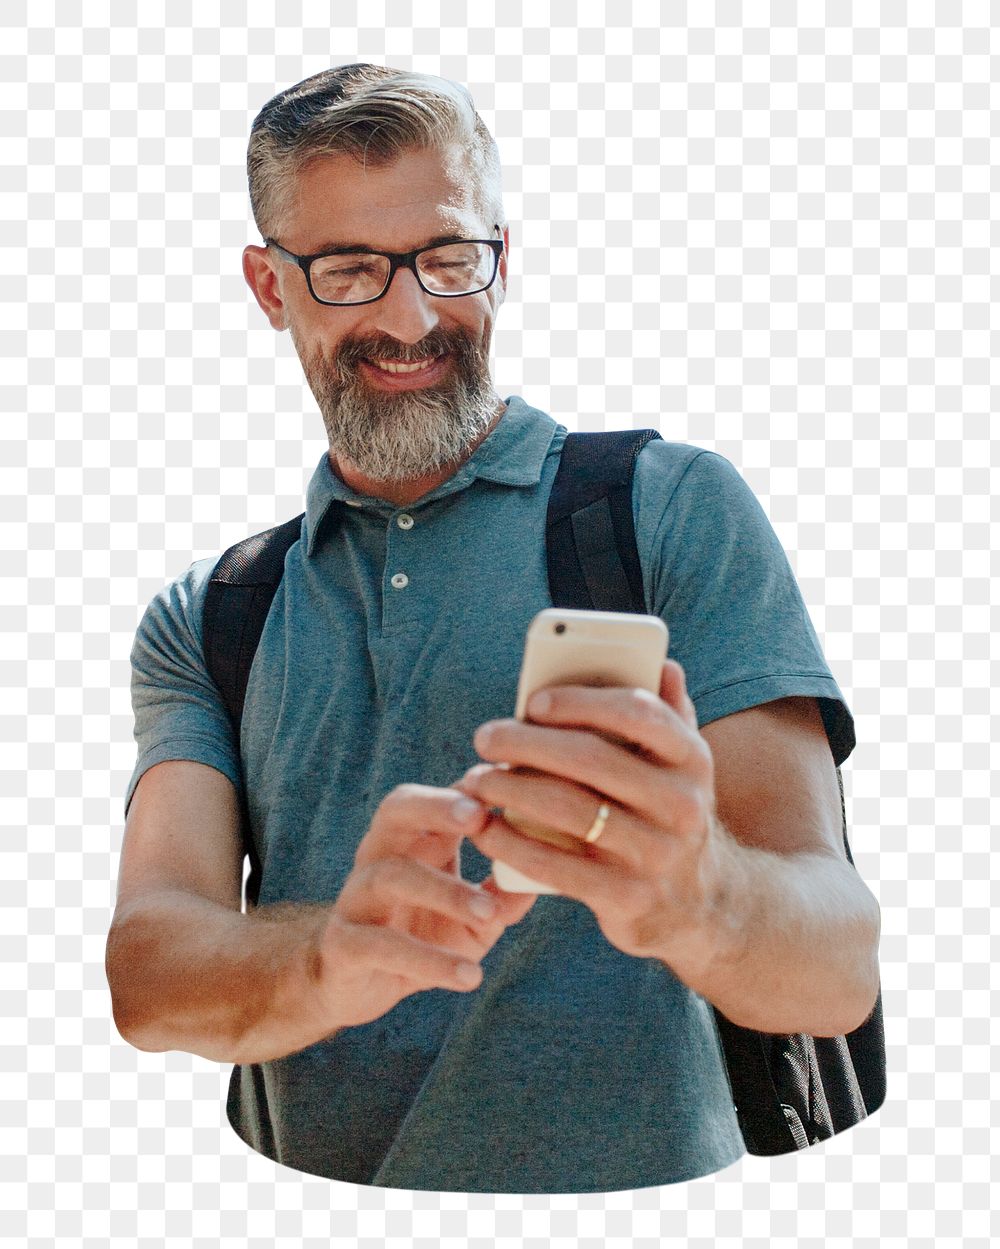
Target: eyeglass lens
{"type": "Point", "coordinates": [453, 269]}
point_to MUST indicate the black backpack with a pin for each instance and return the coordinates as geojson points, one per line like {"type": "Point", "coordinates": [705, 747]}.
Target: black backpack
{"type": "Point", "coordinates": [789, 1091]}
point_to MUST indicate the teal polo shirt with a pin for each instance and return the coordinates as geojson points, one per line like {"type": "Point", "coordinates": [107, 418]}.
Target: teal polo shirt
{"type": "Point", "coordinates": [394, 634]}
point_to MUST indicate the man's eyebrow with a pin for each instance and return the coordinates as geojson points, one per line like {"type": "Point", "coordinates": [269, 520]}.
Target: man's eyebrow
{"type": "Point", "coordinates": [333, 248]}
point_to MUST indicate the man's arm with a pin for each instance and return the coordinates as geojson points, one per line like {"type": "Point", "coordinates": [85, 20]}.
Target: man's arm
{"type": "Point", "coordinates": [800, 928]}
{"type": "Point", "coordinates": [722, 854]}
{"type": "Point", "coordinates": [186, 968]}
{"type": "Point", "coordinates": [189, 971]}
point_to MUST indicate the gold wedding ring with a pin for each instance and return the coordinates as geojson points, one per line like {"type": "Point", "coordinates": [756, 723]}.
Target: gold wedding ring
{"type": "Point", "coordinates": [595, 830]}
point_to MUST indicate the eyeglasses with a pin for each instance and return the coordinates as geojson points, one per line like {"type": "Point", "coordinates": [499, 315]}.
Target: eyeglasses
{"type": "Point", "coordinates": [360, 276]}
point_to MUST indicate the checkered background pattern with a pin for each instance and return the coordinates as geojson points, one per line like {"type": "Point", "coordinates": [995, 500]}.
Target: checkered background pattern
{"type": "Point", "coordinates": [765, 229]}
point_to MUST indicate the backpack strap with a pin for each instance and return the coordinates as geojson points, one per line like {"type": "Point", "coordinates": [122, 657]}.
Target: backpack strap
{"type": "Point", "coordinates": [789, 1091]}
{"type": "Point", "coordinates": [590, 532]}
{"type": "Point", "coordinates": [237, 601]}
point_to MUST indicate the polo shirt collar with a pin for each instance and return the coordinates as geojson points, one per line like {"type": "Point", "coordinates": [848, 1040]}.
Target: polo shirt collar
{"type": "Point", "coordinates": [512, 455]}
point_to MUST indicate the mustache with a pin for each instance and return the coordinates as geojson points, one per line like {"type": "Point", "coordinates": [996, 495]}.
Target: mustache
{"type": "Point", "coordinates": [438, 343]}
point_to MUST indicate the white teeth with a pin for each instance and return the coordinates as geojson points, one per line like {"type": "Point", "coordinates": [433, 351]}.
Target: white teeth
{"type": "Point", "coordinates": [396, 367]}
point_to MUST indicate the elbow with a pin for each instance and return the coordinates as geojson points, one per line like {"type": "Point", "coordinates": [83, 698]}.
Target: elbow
{"type": "Point", "coordinates": [847, 1017]}
{"type": "Point", "coordinates": [129, 1023]}
{"type": "Point", "coordinates": [148, 1011]}
{"type": "Point", "coordinates": [871, 981]}
{"type": "Point", "coordinates": [129, 1030]}
{"type": "Point", "coordinates": [125, 990]}
{"type": "Point", "coordinates": [834, 1001]}
{"type": "Point", "coordinates": [867, 999]}
{"type": "Point", "coordinates": [861, 991]}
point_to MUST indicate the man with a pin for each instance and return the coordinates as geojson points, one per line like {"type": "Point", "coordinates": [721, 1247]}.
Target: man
{"type": "Point", "coordinates": [392, 1022]}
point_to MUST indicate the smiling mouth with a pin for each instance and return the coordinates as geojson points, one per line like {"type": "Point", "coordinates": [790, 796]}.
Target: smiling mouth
{"type": "Point", "coordinates": [398, 375]}
{"type": "Point", "coordinates": [397, 366]}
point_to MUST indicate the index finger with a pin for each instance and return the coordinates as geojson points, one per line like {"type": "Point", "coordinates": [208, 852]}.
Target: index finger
{"type": "Point", "coordinates": [633, 718]}
{"type": "Point", "coordinates": [423, 822]}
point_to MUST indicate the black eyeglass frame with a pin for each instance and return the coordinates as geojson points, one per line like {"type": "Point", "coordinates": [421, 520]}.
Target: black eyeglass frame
{"type": "Point", "coordinates": [397, 260]}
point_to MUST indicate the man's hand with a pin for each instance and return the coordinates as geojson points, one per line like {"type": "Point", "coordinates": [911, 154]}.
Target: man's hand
{"type": "Point", "coordinates": [405, 918]}
{"type": "Point", "coordinates": [755, 908]}
{"type": "Point", "coordinates": [655, 877]}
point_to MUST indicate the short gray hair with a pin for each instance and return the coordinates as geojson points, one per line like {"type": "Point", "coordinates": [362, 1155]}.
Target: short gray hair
{"type": "Point", "coordinates": [373, 114]}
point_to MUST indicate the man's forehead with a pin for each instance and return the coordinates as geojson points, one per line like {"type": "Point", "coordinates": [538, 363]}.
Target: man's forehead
{"type": "Point", "coordinates": [422, 195]}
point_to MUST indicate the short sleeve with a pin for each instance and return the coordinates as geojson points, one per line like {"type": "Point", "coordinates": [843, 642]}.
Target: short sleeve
{"type": "Point", "coordinates": [179, 712]}
{"type": "Point", "coordinates": [715, 572]}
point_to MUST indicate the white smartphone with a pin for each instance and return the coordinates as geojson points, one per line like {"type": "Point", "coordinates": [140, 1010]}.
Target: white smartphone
{"type": "Point", "coordinates": [565, 647]}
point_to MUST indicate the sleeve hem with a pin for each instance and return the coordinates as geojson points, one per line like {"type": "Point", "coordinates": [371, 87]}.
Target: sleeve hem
{"type": "Point", "coordinates": [194, 749]}
{"type": "Point", "coordinates": [726, 700]}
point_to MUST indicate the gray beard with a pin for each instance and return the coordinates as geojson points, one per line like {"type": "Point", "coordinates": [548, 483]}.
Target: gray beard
{"type": "Point", "coordinates": [400, 437]}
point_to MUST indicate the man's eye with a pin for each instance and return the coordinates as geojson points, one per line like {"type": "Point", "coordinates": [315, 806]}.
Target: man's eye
{"type": "Point", "coordinates": [344, 270]}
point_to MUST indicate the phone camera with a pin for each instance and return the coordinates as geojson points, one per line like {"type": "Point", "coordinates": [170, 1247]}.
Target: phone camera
{"type": "Point", "coordinates": [560, 628]}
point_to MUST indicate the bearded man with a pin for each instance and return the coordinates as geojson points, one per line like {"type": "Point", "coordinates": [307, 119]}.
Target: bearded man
{"type": "Point", "coordinates": [393, 1016]}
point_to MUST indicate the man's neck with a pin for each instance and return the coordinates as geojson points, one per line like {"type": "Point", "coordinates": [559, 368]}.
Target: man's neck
{"type": "Point", "coordinates": [402, 493]}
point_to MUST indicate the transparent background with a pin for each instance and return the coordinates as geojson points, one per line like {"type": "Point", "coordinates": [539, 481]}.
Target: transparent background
{"type": "Point", "coordinates": [765, 229]}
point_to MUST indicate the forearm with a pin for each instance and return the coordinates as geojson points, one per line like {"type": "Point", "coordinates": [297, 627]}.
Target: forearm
{"type": "Point", "coordinates": [189, 974]}
{"type": "Point", "coordinates": [793, 941]}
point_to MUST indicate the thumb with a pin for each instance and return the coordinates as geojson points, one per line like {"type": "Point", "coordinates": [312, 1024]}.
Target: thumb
{"type": "Point", "coordinates": [673, 691]}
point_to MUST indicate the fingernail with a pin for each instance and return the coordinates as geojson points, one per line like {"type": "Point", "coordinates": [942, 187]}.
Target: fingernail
{"type": "Point", "coordinates": [463, 809]}
{"type": "Point", "coordinates": [475, 772]}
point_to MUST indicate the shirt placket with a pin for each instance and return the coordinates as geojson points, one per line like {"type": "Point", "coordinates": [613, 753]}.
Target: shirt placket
{"type": "Point", "coordinates": [401, 590]}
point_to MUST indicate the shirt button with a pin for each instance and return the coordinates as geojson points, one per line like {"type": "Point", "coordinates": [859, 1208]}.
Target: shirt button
{"type": "Point", "coordinates": [400, 580]}
{"type": "Point", "coordinates": [405, 521]}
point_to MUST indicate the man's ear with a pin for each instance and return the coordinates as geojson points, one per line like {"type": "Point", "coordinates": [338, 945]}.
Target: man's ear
{"type": "Point", "coordinates": [262, 278]}
{"type": "Point", "coordinates": [503, 263]}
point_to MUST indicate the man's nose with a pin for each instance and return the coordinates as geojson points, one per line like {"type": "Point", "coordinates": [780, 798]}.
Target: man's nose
{"type": "Point", "coordinates": [405, 311]}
